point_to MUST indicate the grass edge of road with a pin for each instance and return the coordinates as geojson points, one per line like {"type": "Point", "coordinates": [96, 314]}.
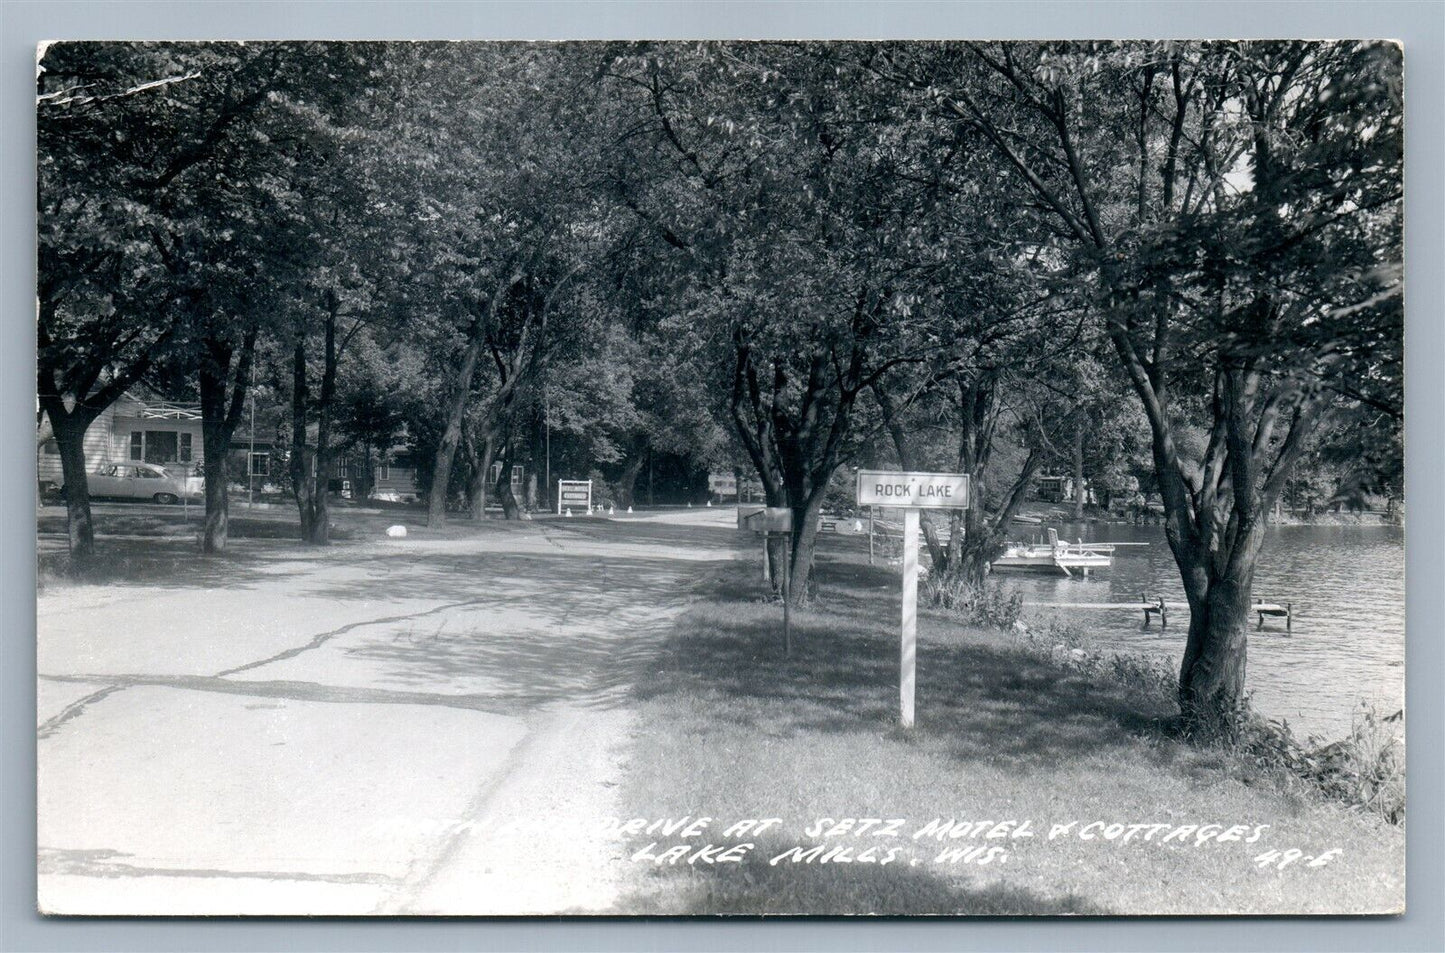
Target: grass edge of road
{"type": "Point", "coordinates": [1009, 729]}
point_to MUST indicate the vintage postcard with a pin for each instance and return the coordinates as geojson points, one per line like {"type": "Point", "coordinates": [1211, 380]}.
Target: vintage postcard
{"type": "Point", "coordinates": [693, 478]}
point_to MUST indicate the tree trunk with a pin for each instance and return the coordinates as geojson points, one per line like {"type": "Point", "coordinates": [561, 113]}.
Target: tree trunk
{"type": "Point", "coordinates": [510, 509]}
{"type": "Point", "coordinates": [627, 482]}
{"type": "Point", "coordinates": [978, 537]}
{"type": "Point", "coordinates": [982, 542]}
{"type": "Point", "coordinates": [367, 483]}
{"type": "Point", "coordinates": [223, 395]}
{"type": "Point", "coordinates": [217, 527]}
{"type": "Point", "coordinates": [795, 457]}
{"type": "Point", "coordinates": [69, 424]}
{"type": "Point", "coordinates": [1078, 461]}
{"type": "Point", "coordinates": [320, 528]}
{"type": "Point", "coordinates": [777, 547]}
{"type": "Point", "coordinates": [1211, 676]}
{"type": "Point", "coordinates": [80, 528]}
{"type": "Point", "coordinates": [1219, 586]}
{"type": "Point", "coordinates": [302, 466]}
{"type": "Point", "coordinates": [451, 435]}
{"type": "Point", "coordinates": [461, 393]}
{"type": "Point", "coordinates": [804, 539]}
{"type": "Point", "coordinates": [481, 467]}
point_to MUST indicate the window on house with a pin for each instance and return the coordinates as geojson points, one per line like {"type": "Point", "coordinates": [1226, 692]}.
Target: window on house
{"type": "Point", "coordinates": [160, 446]}
{"type": "Point", "coordinates": [50, 446]}
{"type": "Point", "coordinates": [383, 472]}
{"type": "Point", "coordinates": [260, 464]}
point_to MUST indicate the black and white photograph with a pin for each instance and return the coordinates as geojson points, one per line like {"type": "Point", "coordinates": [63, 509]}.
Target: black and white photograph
{"type": "Point", "coordinates": [753, 478]}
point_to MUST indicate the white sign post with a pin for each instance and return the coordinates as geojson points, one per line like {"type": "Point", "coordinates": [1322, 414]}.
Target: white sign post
{"type": "Point", "coordinates": [912, 492]}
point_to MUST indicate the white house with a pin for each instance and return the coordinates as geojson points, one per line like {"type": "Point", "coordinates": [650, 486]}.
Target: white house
{"type": "Point", "coordinates": [138, 426]}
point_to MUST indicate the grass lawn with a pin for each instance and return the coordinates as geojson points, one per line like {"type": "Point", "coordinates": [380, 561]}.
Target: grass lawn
{"type": "Point", "coordinates": [731, 730]}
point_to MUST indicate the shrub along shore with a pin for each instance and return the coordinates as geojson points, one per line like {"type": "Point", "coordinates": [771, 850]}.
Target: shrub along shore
{"type": "Point", "coordinates": [1036, 781]}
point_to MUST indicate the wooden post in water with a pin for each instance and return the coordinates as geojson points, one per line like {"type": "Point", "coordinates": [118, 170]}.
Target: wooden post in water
{"type": "Point", "coordinates": [909, 646]}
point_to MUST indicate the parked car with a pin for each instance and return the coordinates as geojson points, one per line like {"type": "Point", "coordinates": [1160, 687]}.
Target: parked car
{"type": "Point", "coordinates": [134, 480]}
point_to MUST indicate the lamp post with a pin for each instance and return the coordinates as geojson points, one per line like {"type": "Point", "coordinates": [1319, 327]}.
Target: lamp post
{"type": "Point", "coordinates": [251, 452]}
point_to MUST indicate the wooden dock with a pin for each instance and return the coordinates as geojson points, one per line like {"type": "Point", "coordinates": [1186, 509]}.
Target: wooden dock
{"type": "Point", "coordinates": [1158, 606]}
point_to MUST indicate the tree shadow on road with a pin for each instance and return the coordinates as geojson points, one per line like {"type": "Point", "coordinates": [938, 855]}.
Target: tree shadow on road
{"type": "Point", "coordinates": [144, 549]}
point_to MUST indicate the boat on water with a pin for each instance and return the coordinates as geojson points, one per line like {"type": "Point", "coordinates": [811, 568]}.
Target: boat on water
{"type": "Point", "coordinates": [1056, 555]}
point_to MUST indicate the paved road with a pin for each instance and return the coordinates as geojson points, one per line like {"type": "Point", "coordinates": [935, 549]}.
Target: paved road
{"type": "Point", "coordinates": [398, 726]}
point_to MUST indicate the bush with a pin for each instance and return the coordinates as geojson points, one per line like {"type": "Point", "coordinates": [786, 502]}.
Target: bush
{"type": "Point", "coordinates": [1366, 770]}
{"type": "Point", "coordinates": [603, 493]}
{"type": "Point", "coordinates": [987, 604]}
{"type": "Point", "coordinates": [1063, 641]}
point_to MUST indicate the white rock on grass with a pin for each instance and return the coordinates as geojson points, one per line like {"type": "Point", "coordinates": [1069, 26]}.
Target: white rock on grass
{"type": "Point", "coordinates": [396, 532]}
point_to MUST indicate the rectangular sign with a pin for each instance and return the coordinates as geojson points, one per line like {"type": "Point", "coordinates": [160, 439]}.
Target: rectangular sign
{"type": "Point", "coordinates": [572, 493]}
{"type": "Point", "coordinates": [913, 489]}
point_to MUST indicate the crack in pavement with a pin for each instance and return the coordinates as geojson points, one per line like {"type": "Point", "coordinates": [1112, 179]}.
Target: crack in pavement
{"type": "Point", "coordinates": [52, 724]}
{"type": "Point", "coordinates": [322, 638]}
{"type": "Point", "coordinates": [116, 683]}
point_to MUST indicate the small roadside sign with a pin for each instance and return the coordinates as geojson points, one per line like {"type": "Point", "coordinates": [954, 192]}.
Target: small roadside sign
{"type": "Point", "coordinates": [913, 491]}
{"type": "Point", "coordinates": [572, 493]}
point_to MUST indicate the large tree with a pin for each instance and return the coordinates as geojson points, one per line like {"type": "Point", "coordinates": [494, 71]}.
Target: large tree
{"type": "Point", "coordinates": [181, 168]}
{"type": "Point", "coordinates": [117, 125]}
{"type": "Point", "coordinates": [1232, 213]}
{"type": "Point", "coordinates": [492, 171]}
{"type": "Point", "coordinates": [769, 171]}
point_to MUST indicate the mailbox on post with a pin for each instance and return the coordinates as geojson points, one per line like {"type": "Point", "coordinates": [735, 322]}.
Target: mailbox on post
{"type": "Point", "coordinates": [771, 519]}
{"type": "Point", "coordinates": [768, 522]}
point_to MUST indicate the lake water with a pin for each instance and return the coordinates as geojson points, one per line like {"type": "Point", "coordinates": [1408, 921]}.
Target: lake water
{"type": "Point", "coordinates": [1347, 587]}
